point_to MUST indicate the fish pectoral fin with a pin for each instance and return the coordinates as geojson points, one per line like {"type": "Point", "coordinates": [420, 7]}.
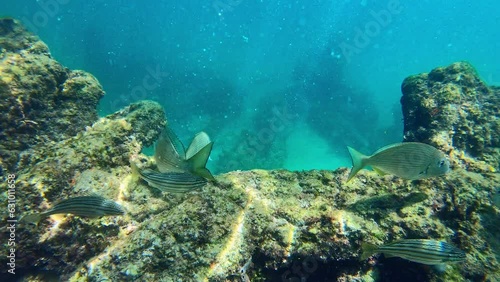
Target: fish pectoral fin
{"type": "Point", "coordinates": [440, 268]}
{"type": "Point", "coordinates": [379, 171]}
{"type": "Point", "coordinates": [33, 218]}
{"type": "Point", "coordinates": [424, 172]}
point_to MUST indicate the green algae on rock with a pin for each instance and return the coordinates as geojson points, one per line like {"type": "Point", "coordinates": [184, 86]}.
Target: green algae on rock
{"type": "Point", "coordinates": [95, 161]}
{"type": "Point", "coordinates": [277, 219]}
{"type": "Point", "coordinates": [453, 109]}
{"type": "Point", "coordinates": [147, 118]}
{"type": "Point", "coordinates": [41, 100]}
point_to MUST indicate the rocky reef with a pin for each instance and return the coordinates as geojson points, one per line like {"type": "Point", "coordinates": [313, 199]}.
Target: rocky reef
{"type": "Point", "coordinates": [42, 101]}
{"type": "Point", "coordinates": [254, 225]}
{"type": "Point", "coordinates": [453, 109]}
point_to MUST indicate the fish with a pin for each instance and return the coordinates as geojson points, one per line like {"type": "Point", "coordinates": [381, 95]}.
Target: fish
{"type": "Point", "coordinates": [408, 160]}
{"type": "Point", "coordinates": [86, 206]}
{"type": "Point", "coordinates": [425, 251]}
{"type": "Point", "coordinates": [173, 182]}
{"type": "Point", "coordinates": [171, 155]}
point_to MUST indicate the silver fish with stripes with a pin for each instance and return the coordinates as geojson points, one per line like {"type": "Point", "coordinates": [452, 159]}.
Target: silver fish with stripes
{"type": "Point", "coordinates": [180, 170]}
{"type": "Point", "coordinates": [425, 251]}
{"type": "Point", "coordinates": [409, 160]}
{"type": "Point", "coordinates": [86, 206]}
{"type": "Point", "coordinates": [173, 182]}
{"type": "Point", "coordinates": [171, 156]}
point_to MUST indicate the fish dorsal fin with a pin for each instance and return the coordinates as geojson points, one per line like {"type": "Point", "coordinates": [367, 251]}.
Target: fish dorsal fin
{"type": "Point", "coordinates": [200, 141]}
{"type": "Point", "coordinates": [392, 146]}
{"type": "Point", "coordinates": [170, 154]}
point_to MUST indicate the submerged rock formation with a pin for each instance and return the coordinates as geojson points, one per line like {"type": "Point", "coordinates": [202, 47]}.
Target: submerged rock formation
{"type": "Point", "coordinates": [453, 109]}
{"type": "Point", "coordinates": [40, 100]}
{"type": "Point", "coordinates": [259, 225]}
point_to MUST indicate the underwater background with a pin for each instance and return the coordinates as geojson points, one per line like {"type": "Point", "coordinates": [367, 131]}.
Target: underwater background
{"type": "Point", "coordinates": [86, 96]}
{"type": "Point", "coordinates": [328, 71]}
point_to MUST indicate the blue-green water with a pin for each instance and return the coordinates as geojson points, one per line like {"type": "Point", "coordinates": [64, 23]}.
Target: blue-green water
{"type": "Point", "coordinates": [276, 84]}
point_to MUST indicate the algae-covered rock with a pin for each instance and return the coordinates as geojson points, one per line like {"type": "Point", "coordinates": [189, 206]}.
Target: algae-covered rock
{"type": "Point", "coordinates": [452, 108]}
{"type": "Point", "coordinates": [95, 161]}
{"type": "Point", "coordinates": [294, 225]}
{"type": "Point", "coordinates": [40, 100]}
{"type": "Point", "coordinates": [146, 117]}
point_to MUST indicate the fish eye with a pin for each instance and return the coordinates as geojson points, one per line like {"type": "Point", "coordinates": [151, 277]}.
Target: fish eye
{"type": "Point", "coordinates": [441, 163]}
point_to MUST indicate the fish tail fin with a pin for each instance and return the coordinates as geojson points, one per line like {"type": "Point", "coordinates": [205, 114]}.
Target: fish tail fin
{"type": "Point", "coordinates": [135, 171]}
{"type": "Point", "coordinates": [367, 250]}
{"type": "Point", "coordinates": [358, 162]}
{"type": "Point", "coordinates": [197, 155]}
{"type": "Point", "coordinates": [170, 154]}
{"type": "Point", "coordinates": [32, 218]}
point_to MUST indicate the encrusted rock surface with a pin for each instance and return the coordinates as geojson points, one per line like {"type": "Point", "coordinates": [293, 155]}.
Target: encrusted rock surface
{"type": "Point", "coordinates": [95, 161]}
{"type": "Point", "coordinates": [40, 100]}
{"type": "Point", "coordinates": [453, 109]}
{"type": "Point", "coordinates": [259, 225]}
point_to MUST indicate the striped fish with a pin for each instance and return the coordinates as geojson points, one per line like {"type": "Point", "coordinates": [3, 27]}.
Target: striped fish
{"type": "Point", "coordinates": [425, 251]}
{"type": "Point", "coordinates": [171, 155]}
{"type": "Point", "coordinates": [409, 160]}
{"type": "Point", "coordinates": [87, 206]}
{"type": "Point", "coordinates": [173, 182]}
